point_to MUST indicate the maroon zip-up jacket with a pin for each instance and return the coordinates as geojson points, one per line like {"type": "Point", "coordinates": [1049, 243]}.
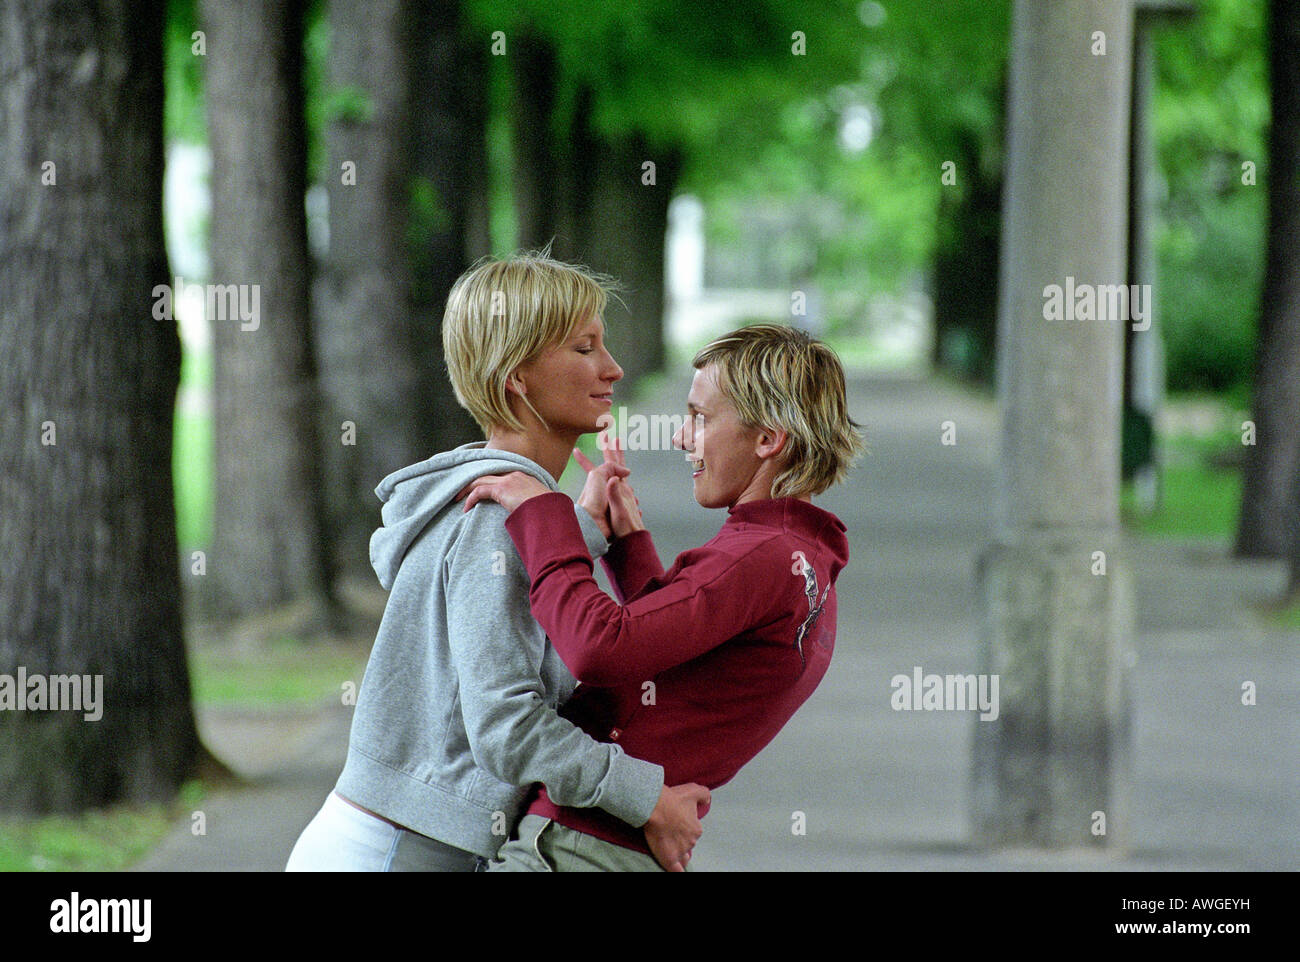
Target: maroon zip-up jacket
{"type": "Point", "coordinates": [702, 665]}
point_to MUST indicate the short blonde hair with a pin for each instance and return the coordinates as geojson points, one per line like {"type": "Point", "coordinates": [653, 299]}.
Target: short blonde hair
{"type": "Point", "coordinates": [503, 313]}
{"type": "Point", "coordinates": [780, 377]}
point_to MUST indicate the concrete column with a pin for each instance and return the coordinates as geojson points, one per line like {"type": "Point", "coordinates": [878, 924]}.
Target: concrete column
{"type": "Point", "coordinates": [1056, 608]}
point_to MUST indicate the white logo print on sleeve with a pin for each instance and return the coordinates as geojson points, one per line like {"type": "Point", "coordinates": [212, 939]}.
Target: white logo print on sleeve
{"type": "Point", "coordinates": [814, 608]}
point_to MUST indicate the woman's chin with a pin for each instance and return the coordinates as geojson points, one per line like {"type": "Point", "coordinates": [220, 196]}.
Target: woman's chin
{"type": "Point", "coordinates": [580, 427]}
{"type": "Point", "coordinates": [702, 497]}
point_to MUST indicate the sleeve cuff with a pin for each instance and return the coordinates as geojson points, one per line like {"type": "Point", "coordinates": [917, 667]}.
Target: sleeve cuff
{"type": "Point", "coordinates": [629, 547]}
{"type": "Point", "coordinates": [545, 529]}
{"type": "Point", "coordinates": [633, 788]}
{"type": "Point", "coordinates": [596, 543]}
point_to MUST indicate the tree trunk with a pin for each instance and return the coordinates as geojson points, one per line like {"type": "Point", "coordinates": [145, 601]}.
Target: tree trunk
{"type": "Point", "coordinates": [624, 235]}
{"type": "Point", "coordinates": [1270, 503]}
{"type": "Point", "coordinates": [579, 151]}
{"type": "Point", "coordinates": [477, 107]}
{"type": "Point", "coordinates": [599, 202]}
{"type": "Point", "coordinates": [537, 151]}
{"type": "Point", "coordinates": [450, 143]}
{"type": "Point", "coordinates": [373, 376]}
{"type": "Point", "coordinates": [91, 584]}
{"type": "Point", "coordinates": [966, 268]}
{"type": "Point", "coordinates": [269, 541]}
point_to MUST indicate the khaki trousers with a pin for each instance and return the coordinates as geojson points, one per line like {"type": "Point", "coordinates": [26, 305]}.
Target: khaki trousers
{"type": "Point", "coordinates": [547, 846]}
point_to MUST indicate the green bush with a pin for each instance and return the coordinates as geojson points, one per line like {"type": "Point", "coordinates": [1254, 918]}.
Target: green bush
{"type": "Point", "coordinates": [1211, 266]}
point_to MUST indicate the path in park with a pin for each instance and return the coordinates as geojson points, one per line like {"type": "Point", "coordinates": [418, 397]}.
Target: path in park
{"type": "Point", "coordinates": [1214, 783]}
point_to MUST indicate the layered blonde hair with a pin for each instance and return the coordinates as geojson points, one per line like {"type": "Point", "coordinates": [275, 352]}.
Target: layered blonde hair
{"type": "Point", "coordinates": [780, 377]}
{"type": "Point", "coordinates": [503, 313]}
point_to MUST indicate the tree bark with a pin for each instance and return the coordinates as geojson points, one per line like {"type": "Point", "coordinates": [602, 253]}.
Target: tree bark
{"type": "Point", "coordinates": [91, 585]}
{"type": "Point", "coordinates": [539, 156]}
{"type": "Point", "coordinates": [624, 235]}
{"type": "Point", "coordinates": [966, 268]}
{"type": "Point", "coordinates": [598, 201]}
{"type": "Point", "coordinates": [270, 543]}
{"type": "Point", "coordinates": [450, 157]}
{"type": "Point", "coordinates": [1270, 501]}
{"type": "Point", "coordinates": [476, 109]}
{"type": "Point", "coordinates": [374, 378]}
{"type": "Point", "coordinates": [579, 150]}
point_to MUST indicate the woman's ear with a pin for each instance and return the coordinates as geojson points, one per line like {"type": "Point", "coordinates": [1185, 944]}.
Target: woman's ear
{"type": "Point", "coordinates": [515, 384]}
{"type": "Point", "coordinates": [770, 442]}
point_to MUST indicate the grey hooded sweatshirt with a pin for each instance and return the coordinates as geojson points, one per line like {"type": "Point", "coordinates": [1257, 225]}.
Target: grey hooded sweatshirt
{"type": "Point", "coordinates": [456, 713]}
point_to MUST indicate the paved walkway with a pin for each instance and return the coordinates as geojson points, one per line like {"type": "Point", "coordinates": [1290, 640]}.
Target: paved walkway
{"type": "Point", "coordinates": [1215, 785]}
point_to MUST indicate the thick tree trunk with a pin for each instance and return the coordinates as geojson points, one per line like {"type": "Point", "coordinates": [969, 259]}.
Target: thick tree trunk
{"type": "Point", "coordinates": [598, 201]}
{"type": "Point", "coordinates": [1270, 503]}
{"type": "Point", "coordinates": [476, 91]}
{"type": "Point", "coordinates": [90, 585]}
{"type": "Point", "coordinates": [373, 376]}
{"type": "Point", "coordinates": [624, 236]}
{"type": "Point", "coordinates": [579, 150]}
{"type": "Point", "coordinates": [538, 154]}
{"type": "Point", "coordinates": [966, 268]}
{"type": "Point", "coordinates": [450, 142]}
{"type": "Point", "coordinates": [270, 542]}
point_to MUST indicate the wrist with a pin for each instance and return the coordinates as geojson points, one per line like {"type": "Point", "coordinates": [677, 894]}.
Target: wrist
{"type": "Point", "coordinates": [660, 810]}
{"type": "Point", "coordinates": [532, 494]}
{"type": "Point", "coordinates": [601, 522]}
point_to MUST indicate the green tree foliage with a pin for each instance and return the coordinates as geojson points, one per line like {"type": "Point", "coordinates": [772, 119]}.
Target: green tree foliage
{"type": "Point", "coordinates": [921, 80]}
{"type": "Point", "coordinates": [676, 71]}
{"type": "Point", "coordinates": [761, 126]}
{"type": "Point", "coordinates": [184, 115]}
{"type": "Point", "coordinates": [1211, 117]}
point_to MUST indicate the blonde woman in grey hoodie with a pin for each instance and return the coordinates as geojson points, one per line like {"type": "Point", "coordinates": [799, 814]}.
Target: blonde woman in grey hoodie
{"type": "Point", "coordinates": [456, 716]}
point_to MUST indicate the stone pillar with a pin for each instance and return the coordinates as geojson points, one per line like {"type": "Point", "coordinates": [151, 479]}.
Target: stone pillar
{"type": "Point", "coordinates": [1057, 614]}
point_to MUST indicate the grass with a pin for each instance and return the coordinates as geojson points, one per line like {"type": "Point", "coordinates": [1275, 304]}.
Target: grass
{"type": "Point", "coordinates": [1197, 500]}
{"type": "Point", "coordinates": [104, 840]}
{"type": "Point", "coordinates": [1289, 617]}
{"type": "Point", "coordinates": [192, 464]}
{"type": "Point", "coordinates": [192, 456]}
{"type": "Point", "coordinates": [859, 354]}
{"type": "Point", "coordinates": [284, 673]}
{"type": "Point", "coordinates": [1201, 480]}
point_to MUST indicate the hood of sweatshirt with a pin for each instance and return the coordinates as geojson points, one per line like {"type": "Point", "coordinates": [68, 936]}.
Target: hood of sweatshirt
{"type": "Point", "coordinates": [416, 494]}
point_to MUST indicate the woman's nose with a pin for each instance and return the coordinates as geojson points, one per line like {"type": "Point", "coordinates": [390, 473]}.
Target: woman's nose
{"type": "Point", "coordinates": [684, 437]}
{"type": "Point", "coordinates": [613, 372]}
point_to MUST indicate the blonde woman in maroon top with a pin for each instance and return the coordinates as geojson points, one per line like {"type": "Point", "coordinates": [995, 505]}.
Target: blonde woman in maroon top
{"type": "Point", "coordinates": [737, 634]}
